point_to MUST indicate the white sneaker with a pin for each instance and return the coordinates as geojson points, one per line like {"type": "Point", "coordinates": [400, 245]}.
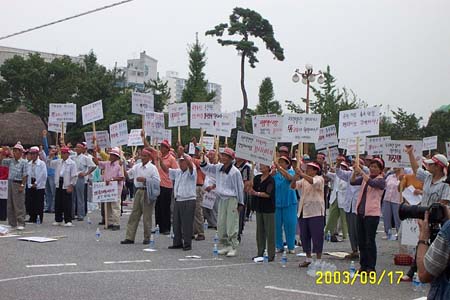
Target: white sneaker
{"type": "Point", "coordinates": [225, 250]}
{"type": "Point", "coordinates": [57, 223]}
{"type": "Point", "coordinates": [292, 251]}
{"type": "Point", "coordinates": [20, 228]}
{"type": "Point", "coordinates": [68, 224]}
{"type": "Point", "coordinates": [232, 253]}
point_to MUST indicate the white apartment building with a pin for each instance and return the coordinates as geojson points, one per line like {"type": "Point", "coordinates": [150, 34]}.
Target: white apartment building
{"type": "Point", "coordinates": [177, 84]}
{"type": "Point", "coordinates": [139, 70]}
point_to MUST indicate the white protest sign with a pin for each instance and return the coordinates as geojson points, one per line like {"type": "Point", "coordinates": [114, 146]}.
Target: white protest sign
{"type": "Point", "coordinates": [334, 153]}
{"type": "Point", "coordinates": [178, 114]}
{"type": "Point", "coordinates": [222, 124]}
{"type": "Point", "coordinates": [102, 137]}
{"type": "Point", "coordinates": [63, 112]}
{"type": "Point", "coordinates": [351, 146]}
{"type": "Point", "coordinates": [395, 156]}
{"type": "Point", "coordinates": [410, 232]}
{"type": "Point", "coordinates": [167, 135]}
{"type": "Point", "coordinates": [92, 112]}
{"type": "Point", "coordinates": [134, 138]}
{"type": "Point", "coordinates": [359, 122]}
{"type": "Point", "coordinates": [301, 128]}
{"type": "Point", "coordinates": [430, 143]}
{"type": "Point", "coordinates": [3, 189]}
{"type": "Point", "coordinates": [142, 102]}
{"type": "Point", "coordinates": [255, 148]}
{"type": "Point", "coordinates": [53, 126]}
{"type": "Point", "coordinates": [375, 145]}
{"type": "Point", "coordinates": [118, 133]}
{"type": "Point", "coordinates": [342, 144]}
{"type": "Point", "coordinates": [191, 148]}
{"type": "Point", "coordinates": [269, 126]}
{"type": "Point", "coordinates": [209, 198]}
{"type": "Point", "coordinates": [447, 149]}
{"type": "Point", "coordinates": [327, 137]}
{"type": "Point", "coordinates": [154, 125]}
{"type": "Point", "coordinates": [202, 114]}
{"type": "Point", "coordinates": [105, 193]}
{"type": "Point", "coordinates": [208, 142]}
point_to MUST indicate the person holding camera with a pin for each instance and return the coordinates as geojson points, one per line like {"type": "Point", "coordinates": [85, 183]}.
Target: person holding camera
{"type": "Point", "coordinates": [433, 261]}
{"type": "Point", "coordinates": [435, 189]}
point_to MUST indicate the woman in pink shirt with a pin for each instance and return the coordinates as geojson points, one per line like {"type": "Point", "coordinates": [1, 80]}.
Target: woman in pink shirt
{"type": "Point", "coordinates": [391, 200]}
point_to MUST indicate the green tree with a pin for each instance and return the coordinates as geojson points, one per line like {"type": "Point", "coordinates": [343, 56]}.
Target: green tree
{"type": "Point", "coordinates": [247, 23]}
{"type": "Point", "coordinates": [406, 126]}
{"type": "Point", "coordinates": [267, 104]}
{"type": "Point", "coordinates": [161, 92]}
{"type": "Point", "coordinates": [439, 124]}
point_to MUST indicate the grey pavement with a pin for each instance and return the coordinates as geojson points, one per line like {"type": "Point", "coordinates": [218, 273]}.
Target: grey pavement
{"type": "Point", "coordinates": [135, 274]}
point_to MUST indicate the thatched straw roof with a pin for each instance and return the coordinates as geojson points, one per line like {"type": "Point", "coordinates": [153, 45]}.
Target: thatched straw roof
{"type": "Point", "coordinates": [21, 126]}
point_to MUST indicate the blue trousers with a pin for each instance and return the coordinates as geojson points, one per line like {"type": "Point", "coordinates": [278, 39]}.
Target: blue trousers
{"type": "Point", "coordinates": [285, 219]}
{"type": "Point", "coordinates": [50, 191]}
{"type": "Point", "coordinates": [78, 205]}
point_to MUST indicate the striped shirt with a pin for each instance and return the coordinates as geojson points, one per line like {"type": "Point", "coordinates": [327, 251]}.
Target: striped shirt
{"type": "Point", "coordinates": [17, 168]}
{"type": "Point", "coordinates": [432, 192]}
{"type": "Point", "coordinates": [437, 258]}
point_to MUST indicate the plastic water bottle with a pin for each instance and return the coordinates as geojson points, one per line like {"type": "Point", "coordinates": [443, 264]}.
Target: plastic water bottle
{"type": "Point", "coordinates": [38, 220]}
{"type": "Point", "coordinates": [89, 222]}
{"type": "Point", "coordinates": [97, 234]}
{"type": "Point", "coordinates": [416, 283]}
{"type": "Point", "coordinates": [215, 252]}
{"type": "Point", "coordinates": [328, 236]}
{"type": "Point", "coordinates": [265, 257]}
{"type": "Point", "coordinates": [152, 242]}
{"type": "Point", "coordinates": [205, 226]}
{"type": "Point", "coordinates": [157, 230]}
{"type": "Point", "coordinates": [216, 238]}
{"type": "Point", "coordinates": [352, 269]}
{"type": "Point", "coordinates": [284, 259]}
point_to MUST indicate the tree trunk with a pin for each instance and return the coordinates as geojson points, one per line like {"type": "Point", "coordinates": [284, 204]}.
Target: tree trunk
{"type": "Point", "coordinates": [244, 93]}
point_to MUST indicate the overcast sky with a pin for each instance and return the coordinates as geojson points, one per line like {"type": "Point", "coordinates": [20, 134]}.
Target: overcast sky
{"type": "Point", "coordinates": [393, 53]}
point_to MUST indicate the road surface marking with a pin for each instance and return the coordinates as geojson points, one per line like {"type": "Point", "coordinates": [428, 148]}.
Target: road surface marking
{"type": "Point", "coordinates": [198, 259]}
{"type": "Point", "coordinates": [126, 261]}
{"type": "Point", "coordinates": [302, 292]}
{"type": "Point", "coordinates": [52, 265]}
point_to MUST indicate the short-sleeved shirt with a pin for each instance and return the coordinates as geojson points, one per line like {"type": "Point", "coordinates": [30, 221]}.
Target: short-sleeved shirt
{"type": "Point", "coordinates": [284, 196]}
{"type": "Point", "coordinates": [185, 183]}
{"type": "Point", "coordinates": [311, 202]}
{"type": "Point", "coordinates": [410, 179]}
{"type": "Point", "coordinates": [17, 168]}
{"type": "Point", "coordinates": [4, 171]}
{"type": "Point", "coordinates": [392, 194]}
{"type": "Point", "coordinates": [200, 174]}
{"type": "Point", "coordinates": [112, 170]}
{"type": "Point", "coordinates": [171, 163]}
{"type": "Point", "coordinates": [432, 192]}
{"type": "Point", "coordinates": [260, 204]}
{"type": "Point", "coordinates": [437, 258]}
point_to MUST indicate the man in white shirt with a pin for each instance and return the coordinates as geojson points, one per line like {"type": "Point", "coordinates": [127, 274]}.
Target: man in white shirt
{"type": "Point", "coordinates": [36, 180]}
{"type": "Point", "coordinates": [141, 172]}
{"type": "Point", "coordinates": [85, 166]}
{"type": "Point", "coordinates": [230, 192]}
{"type": "Point", "coordinates": [185, 195]}
{"type": "Point", "coordinates": [65, 180]}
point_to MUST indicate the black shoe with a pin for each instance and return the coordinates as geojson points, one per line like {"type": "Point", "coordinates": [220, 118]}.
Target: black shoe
{"type": "Point", "coordinates": [110, 226]}
{"type": "Point", "coordinates": [80, 219]}
{"type": "Point", "coordinates": [146, 242]}
{"type": "Point", "coordinates": [153, 231]}
{"type": "Point", "coordinates": [271, 258]}
{"type": "Point", "coordinates": [165, 233]}
{"type": "Point", "coordinates": [101, 223]}
{"type": "Point", "coordinates": [115, 227]}
{"type": "Point", "coordinates": [187, 248]}
{"type": "Point", "coordinates": [175, 247]}
{"type": "Point", "coordinates": [124, 242]}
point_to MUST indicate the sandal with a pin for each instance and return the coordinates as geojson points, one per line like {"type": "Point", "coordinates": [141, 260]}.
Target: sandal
{"type": "Point", "coordinates": [304, 264]}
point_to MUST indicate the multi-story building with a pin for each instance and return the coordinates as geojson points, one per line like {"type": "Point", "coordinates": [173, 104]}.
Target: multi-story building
{"type": "Point", "coordinates": [177, 85]}
{"type": "Point", "coordinates": [138, 71]}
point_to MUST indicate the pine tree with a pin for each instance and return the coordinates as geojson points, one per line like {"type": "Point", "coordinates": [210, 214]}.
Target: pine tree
{"type": "Point", "coordinates": [267, 105]}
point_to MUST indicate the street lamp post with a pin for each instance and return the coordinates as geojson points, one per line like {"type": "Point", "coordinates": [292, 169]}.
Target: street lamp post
{"type": "Point", "coordinates": [308, 76]}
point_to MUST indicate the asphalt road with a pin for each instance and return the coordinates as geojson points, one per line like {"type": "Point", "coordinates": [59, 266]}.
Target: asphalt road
{"type": "Point", "coordinates": [78, 267]}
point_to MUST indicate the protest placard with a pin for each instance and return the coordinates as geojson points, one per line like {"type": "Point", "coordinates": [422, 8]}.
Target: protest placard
{"type": "Point", "coordinates": [191, 150]}
{"type": "Point", "coordinates": [359, 122]}
{"type": "Point", "coordinates": [202, 114]}
{"type": "Point", "coordinates": [327, 137]}
{"type": "Point", "coordinates": [154, 125]}
{"type": "Point", "coordinates": [410, 232]}
{"type": "Point", "coordinates": [334, 153]}
{"type": "Point", "coordinates": [3, 189]}
{"type": "Point", "coordinates": [54, 126]}
{"type": "Point", "coordinates": [102, 137]}
{"type": "Point", "coordinates": [166, 135]}
{"type": "Point", "coordinates": [351, 146]}
{"type": "Point", "coordinates": [269, 126]}
{"type": "Point", "coordinates": [92, 112]}
{"type": "Point", "coordinates": [178, 114]}
{"type": "Point", "coordinates": [105, 193]}
{"type": "Point", "coordinates": [208, 142]}
{"type": "Point", "coordinates": [118, 133]}
{"type": "Point", "coordinates": [447, 149]}
{"type": "Point", "coordinates": [255, 148]}
{"type": "Point", "coordinates": [142, 102]}
{"type": "Point", "coordinates": [430, 143]}
{"type": "Point", "coordinates": [342, 144]}
{"type": "Point", "coordinates": [63, 112]}
{"type": "Point", "coordinates": [375, 145]}
{"type": "Point", "coordinates": [301, 128]}
{"type": "Point", "coordinates": [209, 199]}
{"type": "Point", "coordinates": [222, 124]}
{"type": "Point", "coordinates": [394, 154]}
{"type": "Point", "coordinates": [134, 138]}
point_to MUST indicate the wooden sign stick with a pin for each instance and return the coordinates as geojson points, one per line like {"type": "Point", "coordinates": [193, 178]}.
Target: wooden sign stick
{"type": "Point", "coordinates": [357, 151]}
